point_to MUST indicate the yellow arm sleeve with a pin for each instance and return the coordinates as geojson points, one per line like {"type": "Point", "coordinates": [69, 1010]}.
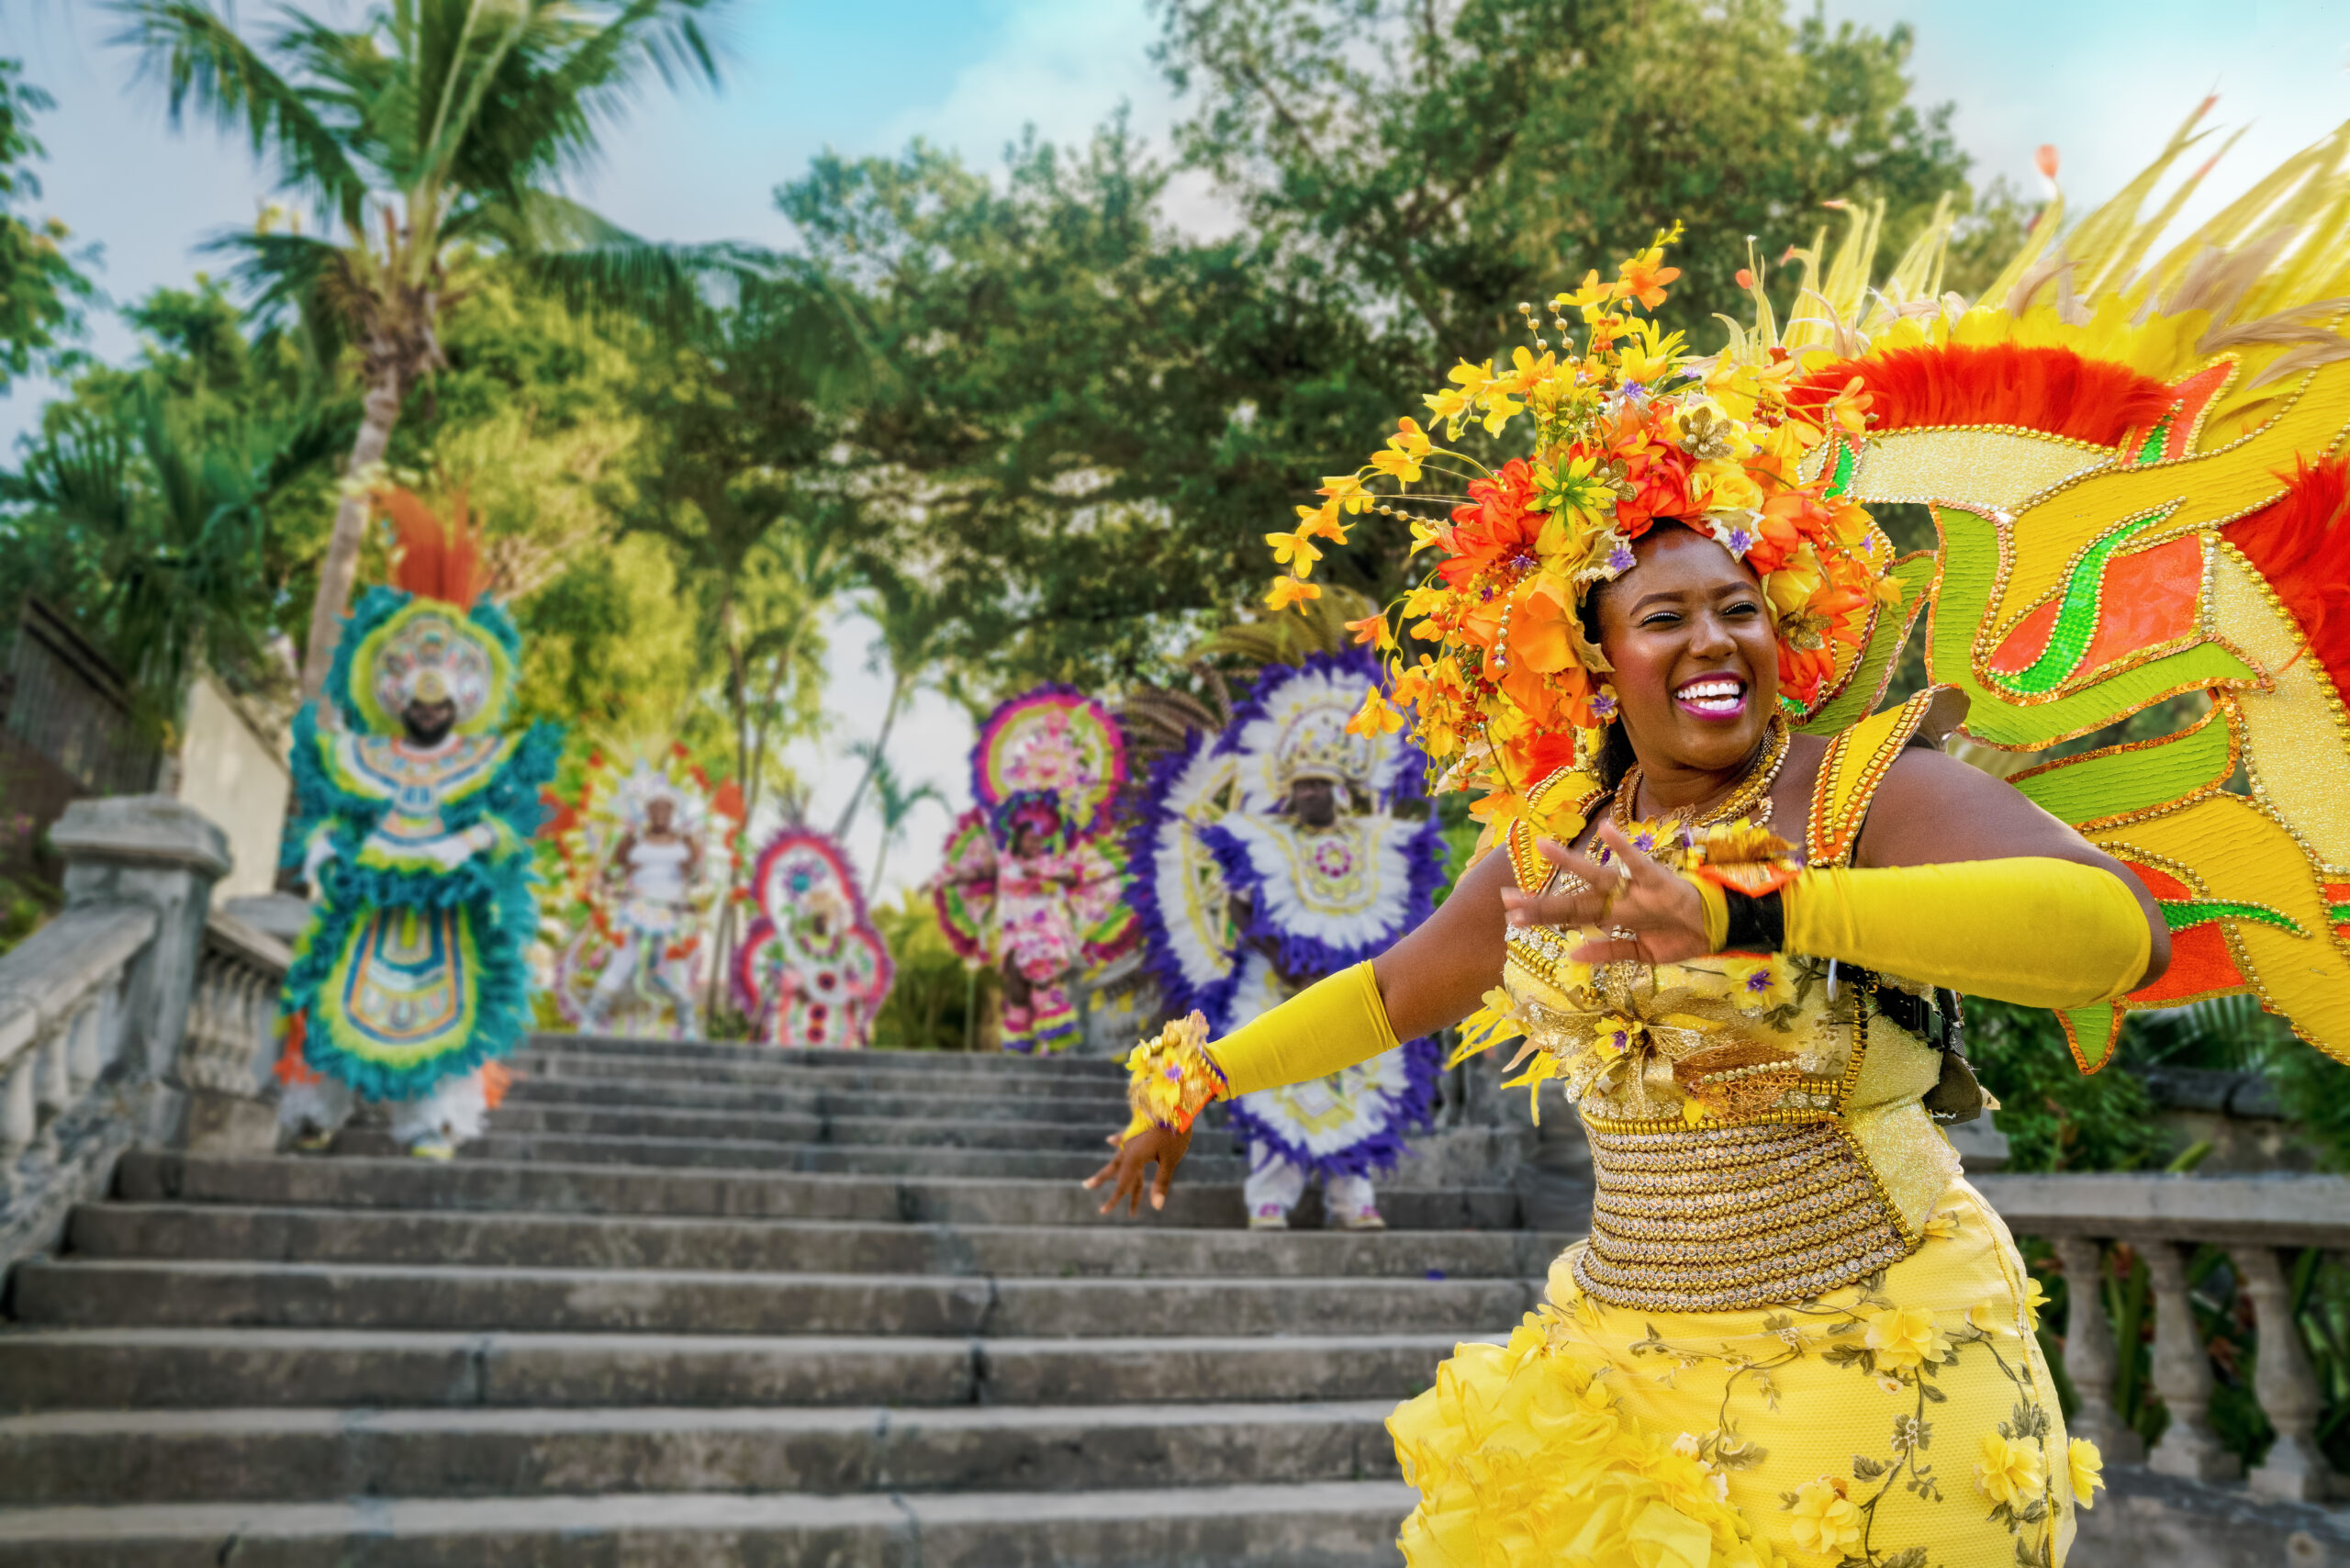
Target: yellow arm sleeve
{"type": "Point", "coordinates": [2041, 933]}
{"type": "Point", "coordinates": [1332, 1024]}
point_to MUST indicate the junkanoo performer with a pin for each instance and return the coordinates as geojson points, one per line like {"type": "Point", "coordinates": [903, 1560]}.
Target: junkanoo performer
{"type": "Point", "coordinates": [1033, 882]}
{"type": "Point", "coordinates": [411, 982]}
{"type": "Point", "coordinates": [656, 867]}
{"type": "Point", "coordinates": [1729, 906]}
{"type": "Point", "coordinates": [814, 969]}
{"type": "Point", "coordinates": [1273, 855]}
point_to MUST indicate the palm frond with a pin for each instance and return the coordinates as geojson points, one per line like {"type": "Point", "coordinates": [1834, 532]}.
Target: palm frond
{"type": "Point", "coordinates": [207, 69]}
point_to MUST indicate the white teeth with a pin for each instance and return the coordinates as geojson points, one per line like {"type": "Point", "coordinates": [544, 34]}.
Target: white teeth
{"type": "Point", "coordinates": [1698, 691]}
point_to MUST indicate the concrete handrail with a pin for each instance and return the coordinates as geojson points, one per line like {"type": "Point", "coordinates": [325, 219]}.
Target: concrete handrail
{"type": "Point", "coordinates": [97, 1006]}
{"type": "Point", "coordinates": [2255, 1219]}
{"type": "Point", "coordinates": [60, 994]}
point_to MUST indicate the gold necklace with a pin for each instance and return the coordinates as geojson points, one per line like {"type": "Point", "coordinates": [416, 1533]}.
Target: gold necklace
{"type": "Point", "coordinates": [1741, 802]}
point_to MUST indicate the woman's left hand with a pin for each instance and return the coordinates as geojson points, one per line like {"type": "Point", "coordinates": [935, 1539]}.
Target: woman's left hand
{"type": "Point", "coordinates": [1644, 913]}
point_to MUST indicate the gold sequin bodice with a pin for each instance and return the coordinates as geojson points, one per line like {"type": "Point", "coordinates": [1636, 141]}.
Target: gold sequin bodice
{"type": "Point", "coordinates": [1755, 1123]}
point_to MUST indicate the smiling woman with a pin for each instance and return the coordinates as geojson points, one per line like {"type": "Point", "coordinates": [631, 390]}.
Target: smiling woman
{"type": "Point", "coordinates": [1759, 1032]}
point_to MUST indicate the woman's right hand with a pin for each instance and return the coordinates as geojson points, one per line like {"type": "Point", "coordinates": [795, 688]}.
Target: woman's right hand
{"type": "Point", "coordinates": [1125, 1173]}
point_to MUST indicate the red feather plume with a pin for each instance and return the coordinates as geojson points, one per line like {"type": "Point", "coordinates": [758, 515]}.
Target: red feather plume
{"type": "Point", "coordinates": [2045, 388]}
{"type": "Point", "coordinates": [2300, 545]}
{"type": "Point", "coordinates": [437, 560]}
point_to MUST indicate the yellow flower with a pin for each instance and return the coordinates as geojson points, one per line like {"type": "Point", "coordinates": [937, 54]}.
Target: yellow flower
{"type": "Point", "coordinates": [1591, 296]}
{"type": "Point", "coordinates": [1944, 1226]}
{"type": "Point", "coordinates": [1723, 485]}
{"type": "Point", "coordinates": [2034, 1298]}
{"type": "Point", "coordinates": [1826, 1520]}
{"type": "Point", "coordinates": [1986, 1315]}
{"type": "Point", "coordinates": [1288, 547]}
{"type": "Point", "coordinates": [1321, 523]}
{"type": "Point", "coordinates": [1396, 464]}
{"type": "Point", "coordinates": [1345, 491]}
{"type": "Point", "coordinates": [1905, 1337]}
{"type": "Point", "coordinates": [1762, 984]}
{"type": "Point", "coordinates": [2010, 1470]}
{"type": "Point", "coordinates": [1374, 717]}
{"type": "Point", "coordinates": [1500, 408]}
{"type": "Point", "coordinates": [1287, 591]}
{"type": "Point", "coordinates": [1614, 1034]}
{"type": "Point", "coordinates": [2087, 1471]}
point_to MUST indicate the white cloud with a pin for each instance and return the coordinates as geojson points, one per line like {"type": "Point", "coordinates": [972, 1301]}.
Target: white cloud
{"type": "Point", "coordinates": [1060, 65]}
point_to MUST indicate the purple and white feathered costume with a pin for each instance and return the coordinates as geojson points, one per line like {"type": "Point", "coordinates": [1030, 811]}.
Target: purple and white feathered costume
{"type": "Point", "coordinates": [1242, 904]}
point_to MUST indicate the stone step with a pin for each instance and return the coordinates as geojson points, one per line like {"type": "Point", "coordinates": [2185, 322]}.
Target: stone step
{"type": "Point", "coordinates": [293, 1455]}
{"type": "Point", "coordinates": [925, 1132]}
{"type": "Point", "coordinates": [943, 1080]}
{"type": "Point", "coordinates": [1005, 1063]}
{"type": "Point", "coordinates": [1330, 1524]}
{"type": "Point", "coordinates": [406, 1184]}
{"type": "Point", "coordinates": [138, 1293]}
{"type": "Point", "coordinates": [1094, 1111]}
{"type": "Point", "coordinates": [751, 1154]}
{"type": "Point", "coordinates": [524, 1239]}
{"type": "Point", "coordinates": [182, 1369]}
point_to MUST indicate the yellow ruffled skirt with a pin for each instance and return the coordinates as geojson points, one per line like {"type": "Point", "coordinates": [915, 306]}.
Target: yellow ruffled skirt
{"type": "Point", "coordinates": [1904, 1421]}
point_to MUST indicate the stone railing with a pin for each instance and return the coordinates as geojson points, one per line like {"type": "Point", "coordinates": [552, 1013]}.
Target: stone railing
{"type": "Point", "coordinates": [136, 1016]}
{"type": "Point", "coordinates": [2257, 1221]}
{"type": "Point", "coordinates": [231, 1042]}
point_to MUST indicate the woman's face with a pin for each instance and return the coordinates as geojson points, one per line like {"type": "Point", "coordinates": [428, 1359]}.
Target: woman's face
{"type": "Point", "coordinates": [1695, 653]}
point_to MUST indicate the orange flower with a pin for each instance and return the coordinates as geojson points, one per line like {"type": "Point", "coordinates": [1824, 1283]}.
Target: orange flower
{"type": "Point", "coordinates": [1371, 630]}
{"type": "Point", "coordinates": [1644, 280]}
{"type": "Point", "coordinates": [1495, 526]}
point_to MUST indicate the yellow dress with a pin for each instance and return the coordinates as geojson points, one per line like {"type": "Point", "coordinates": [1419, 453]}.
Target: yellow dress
{"type": "Point", "coordinates": [1795, 1334]}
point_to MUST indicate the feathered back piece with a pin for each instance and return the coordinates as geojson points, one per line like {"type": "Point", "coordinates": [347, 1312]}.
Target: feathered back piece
{"type": "Point", "coordinates": [437, 560]}
{"type": "Point", "coordinates": [2136, 463]}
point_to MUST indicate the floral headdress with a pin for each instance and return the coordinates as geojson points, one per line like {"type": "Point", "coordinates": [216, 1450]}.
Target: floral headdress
{"type": "Point", "coordinates": [1631, 431]}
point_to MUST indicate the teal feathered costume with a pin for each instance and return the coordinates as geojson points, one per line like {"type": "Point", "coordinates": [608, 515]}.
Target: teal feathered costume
{"type": "Point", "coordinates": [417, 844]}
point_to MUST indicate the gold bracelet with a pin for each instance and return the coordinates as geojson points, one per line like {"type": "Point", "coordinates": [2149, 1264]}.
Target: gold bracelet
{"type": "Point", "coordinates": [1169, 1080]}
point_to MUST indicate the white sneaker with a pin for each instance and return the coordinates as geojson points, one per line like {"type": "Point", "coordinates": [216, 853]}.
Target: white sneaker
{"type": "Point", "coordinates": [1269, 1217]}
{"type": "Point", "coordinates": [432, 1148]}
{"type": "Point", "coordinates": [1368, 1219]}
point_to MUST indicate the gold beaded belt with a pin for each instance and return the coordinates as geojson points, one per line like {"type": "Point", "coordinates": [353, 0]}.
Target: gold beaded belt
{"type": "Point", "coordinates": [1712, 1218]}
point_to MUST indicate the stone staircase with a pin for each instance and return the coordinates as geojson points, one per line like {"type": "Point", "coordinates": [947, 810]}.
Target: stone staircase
{"type": "Point", "coordinates": [709, 1304]}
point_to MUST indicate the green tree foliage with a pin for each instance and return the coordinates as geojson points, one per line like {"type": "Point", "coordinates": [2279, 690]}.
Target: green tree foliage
{"type": "Point", "coordinates": [436, 128]}
{"type": "Point", "coordinates": [1451, 161]}
{"type": "Point", "coordinates": [1080, 419]}
{"type": "Point", "coordinates": [41, 291]}
{"type": "Point", "coordinates": [154, 502]}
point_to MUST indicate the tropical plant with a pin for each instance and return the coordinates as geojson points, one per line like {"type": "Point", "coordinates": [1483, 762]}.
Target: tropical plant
{"type": "Point", "coordinates": [168, 512]}
{"type": "Point", "coordinates": [912, 631]}
{"type": "Point", "coordinates": [433, 130]}
{"type": "Point", "coordinates": [41, 291]}
{"type": "Point", "coordinates": [893, 802]}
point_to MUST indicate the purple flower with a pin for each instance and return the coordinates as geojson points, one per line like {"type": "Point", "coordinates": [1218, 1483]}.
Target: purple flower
{"type": "Point", "coordinates": [1619, 560]}
{"type": "Point", "coordinates": [1740, 542]}
{"type": "Point", "coordinates": [1603, 705]}
{"type": "Point", "coordinates": [1644, 841]}
{"type": "Point", "coordinates": [1759, 981]}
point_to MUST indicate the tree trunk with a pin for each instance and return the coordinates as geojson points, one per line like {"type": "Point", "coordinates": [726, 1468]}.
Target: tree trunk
{"type": "Point", "coordinates": [336, 573]}
{"type": "Point", "coordinates": [898, 684]}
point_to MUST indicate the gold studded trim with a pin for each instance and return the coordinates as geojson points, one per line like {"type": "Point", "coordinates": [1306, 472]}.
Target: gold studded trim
{"type": "Point", "coordinates": [1855, 763]}
{"type": "Point", "coordinates": [1709, 1218]}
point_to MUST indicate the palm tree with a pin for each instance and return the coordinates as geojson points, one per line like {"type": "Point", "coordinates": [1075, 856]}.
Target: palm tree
{"type": "Point", "coordinates": [893, 802]}
{"type": "Point", "coordinates": [171, 514]}
{"type": "Point", "coordinates": [435, 127]}
{"type": "Point", "coordinates": [913, 625]}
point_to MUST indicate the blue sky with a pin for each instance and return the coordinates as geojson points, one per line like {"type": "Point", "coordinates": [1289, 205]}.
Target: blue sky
{"type": "Point", "coordinates": [2103, 80]}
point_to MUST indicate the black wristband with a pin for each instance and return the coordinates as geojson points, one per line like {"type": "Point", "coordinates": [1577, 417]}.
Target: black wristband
{"type": "Point", "coordinates": [1756, 925]}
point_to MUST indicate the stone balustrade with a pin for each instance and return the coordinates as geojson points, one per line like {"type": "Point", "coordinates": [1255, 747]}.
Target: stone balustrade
{"type": "Point", "coordinates": [2256, 1220]}
{"type": "Point", "coordinates": [136, 1015]}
